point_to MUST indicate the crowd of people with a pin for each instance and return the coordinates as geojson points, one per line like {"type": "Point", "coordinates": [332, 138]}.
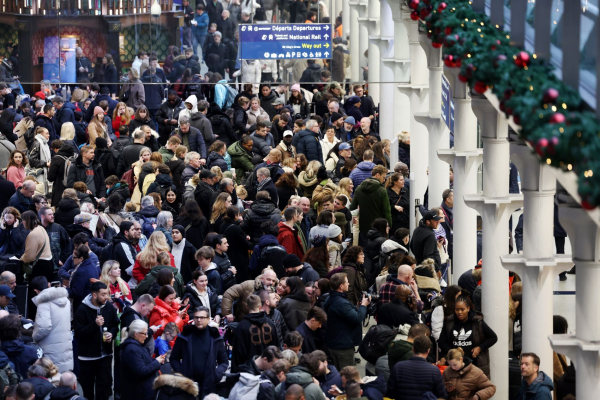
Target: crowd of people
{"type": "Point", "coordinates": [215, 242]}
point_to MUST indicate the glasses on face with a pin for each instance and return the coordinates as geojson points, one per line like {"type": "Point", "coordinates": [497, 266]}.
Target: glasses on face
{"type": "Point", "coordinates": [201, 318]}
{"type": "Point", "coordinates": [143, 333]}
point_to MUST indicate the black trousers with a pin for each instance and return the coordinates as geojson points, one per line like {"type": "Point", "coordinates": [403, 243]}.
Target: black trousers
{"type": "Point", "coordinates": [96, 374]}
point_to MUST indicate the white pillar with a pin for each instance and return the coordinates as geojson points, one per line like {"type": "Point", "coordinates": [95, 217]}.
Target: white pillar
{"type": "Point", "coordinates": [386, 43]}
{"type": "Point", "coordinates": [583, 348]}
{"type": "Point", "coordinates": [417, 92]}
{"type": "Point", "coordinates": [354, 40]}
{"type": "Point", "coordinates": [401, 64]}
{"type": "Point", "coordinates": [374, 50]}
{"type": "Point", "coordinates": [432, 120]}
{"type": "Point", "coordinates": [495, 206]}
{"type": "Point", "coordinates": [363, 43]}
{"type": "Point", "coordinates": [465, 159]}
{"type": "Point", "coordinates": [345, 18]}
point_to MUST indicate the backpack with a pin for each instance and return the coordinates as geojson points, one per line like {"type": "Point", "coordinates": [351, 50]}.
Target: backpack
{"type": "Point", "coordinates": [376, 342]}
{"type": "Point", "coordinates": [272, 256]}
{"type": "Point", "coordinates": [8, 377]}
{"type": "Point", "coordinates": [68, 162]}
{"type": "Point", "coordinates": [231, 95]}
{"type": "Point", "coordinates": [249, 389]}
{"type": "Point", "coordinates": [148, 224]}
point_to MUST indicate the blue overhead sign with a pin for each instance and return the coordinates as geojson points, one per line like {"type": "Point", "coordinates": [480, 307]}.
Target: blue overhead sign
{"type": "Point", "coordinates": [285, 41]}
{"type": "Point", "coordinates": [447, 104]}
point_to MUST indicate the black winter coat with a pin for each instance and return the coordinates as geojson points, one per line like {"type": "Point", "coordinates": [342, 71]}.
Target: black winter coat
{"type": "Point", "coordinates": [260, 211]}
{"type": "Point", "coordinates": [215, 159]}
{"type": "Point", "coordinates": [376, 239]}
{"type": "Point", "coordinates": [213, 299]}
{"type": "Point", "coordinates": [399, 219]}
{"type": "Point", "coordinates": [424, 245]}
{"type": "Point", "coordinates": [197, 231]}
{"type": "Point", "coordinates": [66, 212]}
{"type": "Point", "coordinates": [240, 120]}
{"type": "Point", "coordinates": [404, 153]}
{"type": "Point", "coordinates": [176, 167]}
{"type": "Point", "coordinates": [411, 379]}
{"type": "Point", "coordinates": [7, 189]}
{"type": "Point", "coordinates": [195, 141]}
{"type": "Point", "coordinates": [45, 122]}
{"type": "Point", "coordinates": [168, 111]}
{"type": "Point", "coordinates": [395, 314]}
{"type": "Point", "coordinates": [13, 240]}
{"type": "Point", "coordinates": [294, 309]}
{"type": "Point", "coordinates": [131, 154]}
{"type": "Point", "coordinates": [203, 194]}
{"type": "Point", "coordinates": [221, 125]}
{"type": "Point", "coordinates": [106, 160]}
{"type": "Point", "coordinates": [111, 78]}
{"type": "Point", "coordinates": [238, 248]}
{"type": "Point", "coordinates": [77, 173]}
{"type": "Point", "coordinates": [245, 344]}
{"type": "Point", "coordinates": [56, 172]}
{"type": "Point", "coordinates": [223, 264]}
{"type": "Point", "coordinates": [307, 143]}
{"type": "Point", "coordinates": [138, 369]}
{"type": "Point", "coordinates": [89, 334]}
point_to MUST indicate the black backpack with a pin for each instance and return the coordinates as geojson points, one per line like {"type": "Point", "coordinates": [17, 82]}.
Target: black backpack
{"type": "Point", "coordinates": [29, 136]}
{"type": "Point", "coordinates": [376, 342]}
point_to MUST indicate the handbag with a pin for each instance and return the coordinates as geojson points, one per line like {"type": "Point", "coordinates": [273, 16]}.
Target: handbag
{"type": "Point", "coordinates": [35, 172]}
{"type": "Point", "coordinates": [28, 267]}
{"type": "Point", "coordinates": [125, 96]}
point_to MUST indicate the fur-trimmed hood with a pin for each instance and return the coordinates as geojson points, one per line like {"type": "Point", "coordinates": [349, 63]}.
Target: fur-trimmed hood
{"type": "Point", "coordinates": [58, 296]}
{"type": "Point", "coordinates": [152, 131]}
{"type": "Point", "coordinates": [426, 277]}
{"type": "Point", "coordinates": [177, 382]}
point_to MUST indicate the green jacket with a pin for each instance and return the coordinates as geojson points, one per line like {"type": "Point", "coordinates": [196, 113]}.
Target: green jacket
{"type": "Point", "coordinates": [241, 160]}
{"type": "Point", "coordinates": [144, 286]}
{"type": "Point", "coordinates": [167, 155]}
{"type": "Point", "coordinates": [399, 350]}
{"type": "Point", "coordinates": [373, 200]}
{"type": "Point", "coordinates": [301, 376]}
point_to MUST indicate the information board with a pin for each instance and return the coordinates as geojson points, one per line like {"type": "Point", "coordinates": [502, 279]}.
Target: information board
{"type": "Point", "coordinates": [285, 41]}
{"type": "Point", "coordinates": [447, 104]}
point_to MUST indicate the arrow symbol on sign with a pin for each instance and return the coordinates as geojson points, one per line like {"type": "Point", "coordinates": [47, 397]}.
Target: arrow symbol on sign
{"type": "Point", "coordinates": [326, 54]}
{"type": "Point", "coordinates": [326, 36]}
{"type": "Point", "coordinates": [326, 27]}
{"type": "Point", "coordinates": [326, 45]}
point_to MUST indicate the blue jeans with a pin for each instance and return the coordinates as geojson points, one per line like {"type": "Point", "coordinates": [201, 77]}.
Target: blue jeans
{"type": "Point", "coordinates": [199, 41]}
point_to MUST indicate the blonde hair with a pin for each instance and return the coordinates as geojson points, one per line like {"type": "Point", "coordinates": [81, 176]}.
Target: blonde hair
{"type": "Point", "coordinates": [127, 112]}
{"type": "Point", "coordinates": [403, 136]}
{"type": "Point", "coordinates": [289, 162]}
{"type": "Point", "coordinates": [312, 168]}
{"type": "Point", "coordinates": [217, 171]}
{"type": "Point", "coordinates": [104, 277]}
{"type": "Point", "coordinates": [67, 131]}
{"type": "Point", "coordinates": [241, 192]}
{"type": "Point", "coordinates": [220, 207]}
{"type": "Point", "coordinates": [156, 243]}
{"type": "Point", "coordinates": [290, 357]}
{"type": "Point", "coordinates": [344, 187]}
{"type": "Point", "coordinates": [77, 95]}
{"type": "Point", "coordinates": [49, 366]}
{"type": "Point", "coordinates": [455, 354]}
{"type": "Point", "coordinates": [130, 207]}
{"type": "Point", "coordinates": [70, 194]}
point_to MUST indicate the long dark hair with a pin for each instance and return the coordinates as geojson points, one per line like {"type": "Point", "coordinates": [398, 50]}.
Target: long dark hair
{"type": "Point", "coordinates": [450, 298]}
{"type": "Point", "coordinates": [231, 213]}
{"type": "Point", "coordinates": [318, 256]}
{"type": "Point", "coordinates": [192, 211]}
{"type": "Point", "coordinates": [30, 220]}
{"type": "Point", "coordinates": [296, 285]}
{"type": "Point", "coordinates": [381, 225]}
{"type": "Point", "coordinates": [137, 114]}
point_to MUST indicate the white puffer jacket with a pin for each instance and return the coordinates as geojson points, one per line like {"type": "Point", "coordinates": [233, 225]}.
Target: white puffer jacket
{"type": "Point", "coordinates": [52, 330]}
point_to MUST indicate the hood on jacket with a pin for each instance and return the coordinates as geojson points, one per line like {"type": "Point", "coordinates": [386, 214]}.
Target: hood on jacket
{"type": "Point", "coordinates": [66, 151]}
{"type": "Point", "coordinates": [172, 384]}
{"type": "Point", "coordinates": [193, 100]}
{"type": "Point", "coordinates": [13, 348]}
{"type": "Point", "coordinates": [236, 150]}
{"type": "Point", "coordinates": [88, 302]}
{"type": "Point", "coordinates": [305, 180]}
{"type": "Point", "coordinates": [305, 133]}
{"type": "Point", "coordinates": [63, 393]}
{"type": "Point", "coordinates": [213, 156]}
{"type": "Point", "coordinates": [180, 57]}
{"type": "Point", "coordinates": [370, 185]}
{"type": "Point", "coordinates": [366, 166]}
{"type": "Point", "coordinates": [149, 212]}
{"type": "Point", "coordinates": [267, 240]}
{"type": "Point", "coordinates": [164, 180]}
{"type": "Point", "coordinates": [391, 245]}
{"type": "Point", "coordinates": [249, 367]}
{"type": "Point", "coordinates": [258, 318]}
{"type": "Point", "coordinates": [196, 115]}
{"type": "Point", "coordinates": [299, 375]}
{"type": "Point", "coordinates": [211, 267]}
{"type": "Point", "coordinates": [401, 348]}
{"type": "Point", "coordinates": [67, 204]}
{"type": "Point", "coordinates": [542, 381]}
{"type": "Point", "coordinates": [120, 238]}
{"type": "Point", "coordinates": [373, 234]}
{"type": "Point", "coordinates": [263, 207]}
{"type": "Point", "coordinates": [58, 296]}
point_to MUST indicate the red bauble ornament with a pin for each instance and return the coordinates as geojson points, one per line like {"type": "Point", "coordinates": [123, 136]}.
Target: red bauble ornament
{"type": "Point", "coordinates": [557, 118]}
{"type": "Point", "coordinates": [550, 95]}
{"type": "Point", "coordinates": [463, 78]}
{"type": "Point", "coordinates": [508, 93]}
{"type": "Point", "coordinates": [448, 30]}
{"type": "Point", "coordinates": [436, 45]}
{"type": "Point", "coordinates": [414, 16]}
{"type": "Point", "coordinates": [517, 119]}
{"type": "Point", "coordinates": [469, 70]}
{"type": "Point", "coordinates": [452, 61]}
{"type": "Point", "coordinates": [502, 106]}
{"type": "Point", "coordinates": [586, 205]}
{"type": "Point", "coordinates": [414, 4]}
{"type": "Point", "coordinates": [425, 11]}
{"type": "Point", "coordinates": [442, 6]}
{"type": "Point", "coordinates": [522, 59]}
{"type": "Point", "coordinates": [541, 146]}
{"type": "Point", "coordinates": [480, 87]}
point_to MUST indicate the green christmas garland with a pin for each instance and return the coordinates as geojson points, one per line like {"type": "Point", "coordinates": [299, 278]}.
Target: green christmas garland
{"type": "Point", "coordinates": [550, 113]}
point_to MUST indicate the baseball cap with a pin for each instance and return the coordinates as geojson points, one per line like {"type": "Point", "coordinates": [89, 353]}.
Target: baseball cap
{"type": "Point", "coordinates": [206, 173]}
{"type": "Point", "coordinates": [267, 123]}
{"type": "Point", "coordinates": [344, 146]}
{"type": "Point", "coordinates": [5, 291]}
{"type": "Point", "coordinates": [350, 120]}
{"type": "Point", "coordinates": [278, 101]}
{"type": "Point", "coordinates": [82, 219]}
{"type": "Point", "coordinates": [430, 215]}
{"type": "Point", "coordinates": [288, 133]}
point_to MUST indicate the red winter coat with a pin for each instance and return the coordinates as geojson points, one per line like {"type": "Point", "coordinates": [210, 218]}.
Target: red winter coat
{"type": "Point", "coordinates": [289, 239]}
{"type": "Point", "coordinates": [162, 314]}
{"type": "Point", "coordinates": [140, 273]}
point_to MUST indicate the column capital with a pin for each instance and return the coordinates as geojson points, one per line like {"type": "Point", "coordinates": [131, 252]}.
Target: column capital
{"type": "Point", "coordinates": [500, 207]}
{"type": "Point", "coordinates": [548, 267]}
{"type": "Point", "coordinates": [433, 122]}
{"type": "Point", "coordinates": [434, 56]}
{"type": "Point", "coordinates": [460, 90]}
{"type": "Point", "coordinates": [583, 232]}
{"type": "Point", "coordinates": [535, 176]}
{"type": "Point", "coordinates": [579, 350]}
{"type": "Point", "coordinates": [470, 158]}
{"type": "Point", "coordinates": [493, 124]}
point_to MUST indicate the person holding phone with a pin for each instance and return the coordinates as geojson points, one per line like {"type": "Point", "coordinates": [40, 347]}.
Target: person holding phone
{"type": "Point", "coordinates": [138, 369]}
{"type": "Point", "coordinates": [168, 309]}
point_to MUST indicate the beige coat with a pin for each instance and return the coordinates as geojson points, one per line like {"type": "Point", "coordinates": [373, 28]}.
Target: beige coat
{"type": "Point", "coordinates": [33, 244]}
{"type": "Point", "coordinates": [468, 382]}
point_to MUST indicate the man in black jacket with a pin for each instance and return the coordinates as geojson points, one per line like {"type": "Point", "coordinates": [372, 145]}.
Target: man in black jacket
{"type": "Point", "coordinates": [188, 17]}
{"type": "Point", "coordinates": [131, 153]}
{"type": "Point", "coordinates": [45, 121]}
{"type": "Point", "coordinates": [214, 9]}
{"type": "Point", "coordinates": [204, 191]}
{"type": "Point", "coordinates": [60, 243]}
{"type": "Point", "coordinates": [96, 324]}
{"type": "Point", "coordinates": [226, 270]}
{"type": "Point", "coordinates": [89, 171]}
{"type": "Point", "coordinates": [122, 248]}
{"type": "Point", "coordinates": [253, 334]}
{"type": "Point", "coordinates": [413, 378]}
{"type": "Point", "coordinates": [402, 310]}
{"type": "Point", "coordinates": [314, 321]}
{"type": "Point", "coordinates": [424, 243]}
{"type": "Point", "coordinates": [167, 116]}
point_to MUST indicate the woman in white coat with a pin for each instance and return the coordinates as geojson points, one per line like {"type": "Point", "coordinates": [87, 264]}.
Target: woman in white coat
{"type": "Point", "coordinates": [250, 70]}
{"type": "Point", "coordinates": [52, 329]}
